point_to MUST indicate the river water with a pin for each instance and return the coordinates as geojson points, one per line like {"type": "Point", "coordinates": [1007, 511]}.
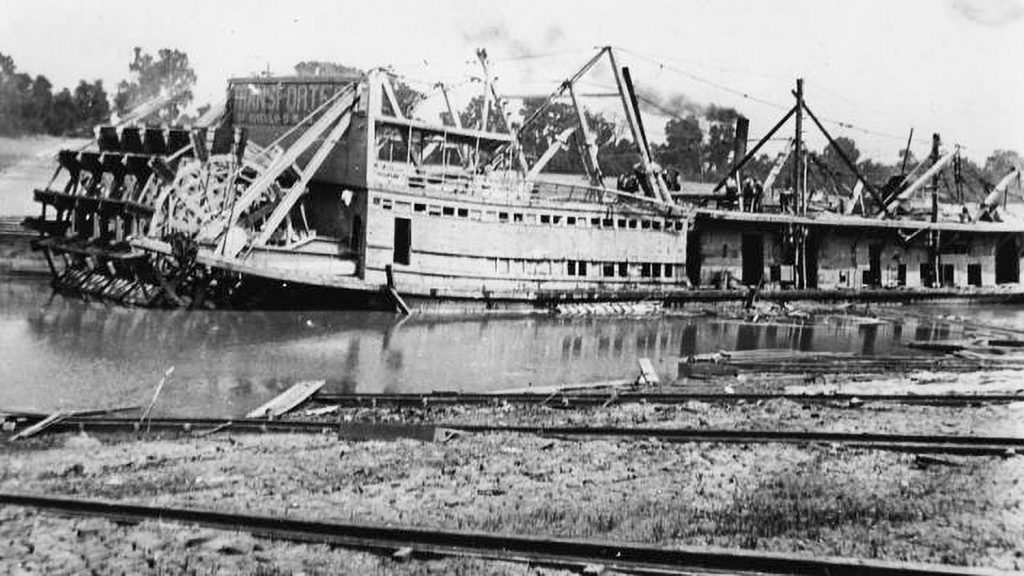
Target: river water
{"type": "Point", "coordinates": [57, 352]}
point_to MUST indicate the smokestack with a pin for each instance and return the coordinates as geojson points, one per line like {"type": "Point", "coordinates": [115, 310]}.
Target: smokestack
{"type": "Point", "coordinates": [739, 146]}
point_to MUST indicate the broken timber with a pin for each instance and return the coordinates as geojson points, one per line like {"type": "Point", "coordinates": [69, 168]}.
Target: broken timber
{"type": "Point", "coordinates": [287, 400]}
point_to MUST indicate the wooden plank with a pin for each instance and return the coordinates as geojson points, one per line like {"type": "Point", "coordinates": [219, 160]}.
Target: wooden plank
{"type": "Point", "coordinates": [40, 426]}
{"type": "Point", "coordinates": [287, 400]}
{"type": "Point", "coordinates": [563, 387]}
{"type": "Point", "coordinates": [648, 375]}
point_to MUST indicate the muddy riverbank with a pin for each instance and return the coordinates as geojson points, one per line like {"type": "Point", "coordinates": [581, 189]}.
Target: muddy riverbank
{"type": "Point", "coordinates": [813, 499]}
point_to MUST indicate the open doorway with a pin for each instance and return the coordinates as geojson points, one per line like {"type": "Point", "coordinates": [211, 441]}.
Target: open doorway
{"type": "Point", "coordinates": [403, 241]}
{"type": "Point", "coordinates": [1007, 261]}
{"type": "Point", "coordinates": [874, 275]}
{"type": "Point", "coordinates": [693, 259]}
{"type": "Point", "coordinates": [753, 258]}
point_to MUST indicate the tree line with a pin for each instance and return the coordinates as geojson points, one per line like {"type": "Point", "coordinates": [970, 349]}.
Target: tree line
{"type": "Point", "coordinates": [28, 104]}
{"type": "Point", "coordinates": [699, 149]}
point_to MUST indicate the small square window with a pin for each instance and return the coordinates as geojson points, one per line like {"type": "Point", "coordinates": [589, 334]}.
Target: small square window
{"type": "Point", "coordinates": [545, 219]}
{"type": "Point", "coordinates": [595, 222]}
{"type": "Point", "coordinates": [607, 223]}
{"type": "Point", "coordinates": [517, 217]}
{"type": "Point", "coordinates": [556, 219]}
{"type": "Point", "coordinates": [448, 211]}
{"type": "Point", "coordinates": [571, 265]}
{"type": "Point", "coordinates": [622, 222]}
{"type": "Point", "coordinates": [502, 216]}
{"type": "Point", "coordinates": [570, 220]}
{"type": "Point", "coordinates": [608, 270]}
{"type": "Point", "coordinates": [582, 268]}
{"type": "Point", "coordinates": [668, 270]}
{"type": "Point", "coordinates": [656, 225]}
{"type": "Point", "coordinates": [419, 207]}
{"type": "Point", "coordinates": [463, 213]}
{"type": "Point", "coordinates": [679, 225]}
{"type": "Point", "coordinates": [645, 224]}
{"type": "Point", "coordinates": [623, 269]}
{"type": "Point", "coordinates": [656, 270]}
{"type": "Point", "coordinates": [645, 270]}
{"type": "Point", "coordinates": [376, 200]}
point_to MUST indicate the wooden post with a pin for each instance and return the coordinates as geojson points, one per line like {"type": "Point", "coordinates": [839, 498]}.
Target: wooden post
{"type": "Point", "coordinates": [798, 197]}
{"type": "Point", "coordinates": [799, 188]}
{"type": "Point", "coordinates": [935, 238]}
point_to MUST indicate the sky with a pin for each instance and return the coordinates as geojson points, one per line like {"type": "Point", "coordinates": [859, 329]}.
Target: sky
{"type": "Point", "coordinates": [874, 69]}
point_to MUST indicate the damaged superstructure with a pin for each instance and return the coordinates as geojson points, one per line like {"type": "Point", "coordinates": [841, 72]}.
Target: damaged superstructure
{"type": "Point", "coordinates": [321, 192]}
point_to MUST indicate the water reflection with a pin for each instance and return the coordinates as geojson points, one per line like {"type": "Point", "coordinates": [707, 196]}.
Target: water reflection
{"type": "Point", "coordinates": [58, 352]}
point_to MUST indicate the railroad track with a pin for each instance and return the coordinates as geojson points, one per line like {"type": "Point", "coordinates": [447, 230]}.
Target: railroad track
{"type": "Point", "coordinates": [426, 542]}
{"type": "Point", "coordinates": [576, 399]}
{"type": "Point", "coordinates": [912, 443]}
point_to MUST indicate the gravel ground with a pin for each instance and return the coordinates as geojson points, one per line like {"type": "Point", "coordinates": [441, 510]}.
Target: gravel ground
{"type": "Point", "coordinates": [816, 500]}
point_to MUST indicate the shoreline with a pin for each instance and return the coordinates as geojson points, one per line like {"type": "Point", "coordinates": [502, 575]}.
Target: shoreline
{"type": "Point", "coordinates": [811, 499]}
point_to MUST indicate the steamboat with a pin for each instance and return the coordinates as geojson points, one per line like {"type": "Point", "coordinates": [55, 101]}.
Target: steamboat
{"type": "Point", "coordinates": [302, 192]}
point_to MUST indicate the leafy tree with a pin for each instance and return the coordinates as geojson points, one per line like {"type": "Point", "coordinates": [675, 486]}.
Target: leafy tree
{"type": "Point", "coordinates": [615, 155]}
{"type": "Point", "coordinates": [169, 74]}
{"type": "Point", "coordinates": [325, 68]}
{"type": "Point", "coordinates": [91, 103]}
{"type": "Point", "coordinates": [407, 96]}
{"type": "Point", "coordinates": [721, 136]}
{"type": "Point", "coordinates": [1000, 162]}
{"type": "Point", "coordinates": [831, 157]}
{"type": "Point", "coordinates": [682, 147]}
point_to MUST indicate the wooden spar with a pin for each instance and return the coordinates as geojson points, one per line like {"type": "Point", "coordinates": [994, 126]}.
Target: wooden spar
{"type": "Point", "coordinates": [753, 151]}
{"type": "Point", "coordinates": [920, 182]}
{"type": "Point", "coordinates": [389, 92]}
{"type": "Point", "coordinates": [780, 162]}
{"type": "Point", "coordinates": [560, 143]}
{"type": "Point", "coordinates": [287, 400]}
{"type": "Point", "coordinates": [628, 97]}
{"type": "Point", "coordinates": [284, 206]}
{"type": "Point", "coordinates": [842, 155]}
{"type": "Point", "coordinates": [798, 144]}
{"type": "Point", "coordinates": [588, 144]}
{"type": "Point", "coordinates": [906, 152]}
{"type": "Point", "coordinates": [992, 200]}
{"type": "Point", "coordinates": [561, 89]}
{"type": "Point", "coordinates": [38, 427]}
{"type": "Point", "coordinates": [485, 111]}
{"type": "Point", "coordinates": [342, 104]}
{"type": "Point", "coordinates": [448, 103]}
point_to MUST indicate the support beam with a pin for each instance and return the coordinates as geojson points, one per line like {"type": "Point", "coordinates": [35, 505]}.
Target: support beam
{"type": "Point", "coordinates": [285, 205]}
{"type": "Point", "coordinates": [343, 102]}
{"type": "Point", "coordinates": [753, 151]}
{"type": "Point", "coordinates": [588, 143]}
{"type": "Point", "coordinates": [561, 143]}
{"type": "Point", "coordinates": [842, 155]}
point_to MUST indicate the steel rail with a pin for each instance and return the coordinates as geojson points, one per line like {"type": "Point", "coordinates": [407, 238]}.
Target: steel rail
{"type": "Point", "coordinates": [572, 398]}
{"type": "Point", "coordinates": [634, 558]}
{"type": "Point", "coordinates": [913, 443]}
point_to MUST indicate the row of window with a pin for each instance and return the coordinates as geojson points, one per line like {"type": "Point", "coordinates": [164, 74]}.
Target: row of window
{"type": "Point", "coordinates": [528, 218]}
{"type": "Point", "coordinates": [581, 268]}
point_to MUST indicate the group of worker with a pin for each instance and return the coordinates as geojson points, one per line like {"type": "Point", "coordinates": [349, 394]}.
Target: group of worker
{"type": "Point", "coordinates": [748, 198]}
